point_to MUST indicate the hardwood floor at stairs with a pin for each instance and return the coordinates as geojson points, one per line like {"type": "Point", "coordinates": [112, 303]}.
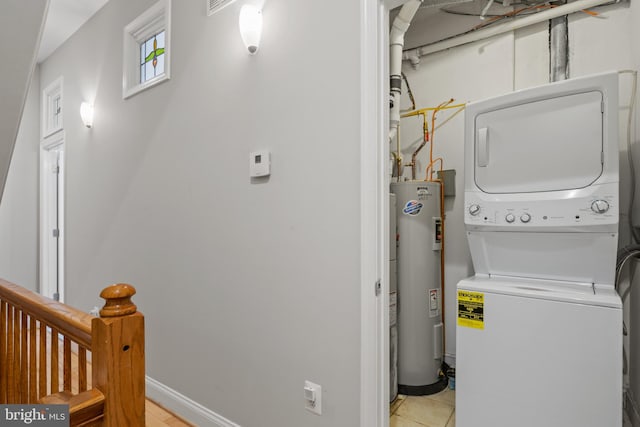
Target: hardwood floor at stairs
{"type": "Point", "coordinates": [155, 415]}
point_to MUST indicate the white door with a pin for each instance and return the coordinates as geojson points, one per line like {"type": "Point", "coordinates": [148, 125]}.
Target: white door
{"type": "Point", "coordinates": [51, 221]}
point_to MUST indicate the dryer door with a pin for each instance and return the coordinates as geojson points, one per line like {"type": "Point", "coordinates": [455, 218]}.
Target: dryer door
{"type": "Point", "coordinates": [551, 144]}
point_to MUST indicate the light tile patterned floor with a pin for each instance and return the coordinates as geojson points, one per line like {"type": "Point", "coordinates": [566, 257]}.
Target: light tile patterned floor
{"type": "Point", "coordinates": [437, 410]}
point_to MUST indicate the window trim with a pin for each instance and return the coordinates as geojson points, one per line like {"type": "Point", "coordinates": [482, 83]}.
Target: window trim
{"type": "Point", "coordinates": [154, 20]}
{"type": "Point", "coordinates": [51, 92]}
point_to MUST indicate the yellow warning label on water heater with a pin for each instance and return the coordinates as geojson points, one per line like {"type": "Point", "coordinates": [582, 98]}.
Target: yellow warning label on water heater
{"type": "Point", "coordinates": [471, 309]}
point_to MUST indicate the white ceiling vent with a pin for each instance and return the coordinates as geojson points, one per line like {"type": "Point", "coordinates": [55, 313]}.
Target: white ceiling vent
{"type": "Point", "coordinates": [214, 6]}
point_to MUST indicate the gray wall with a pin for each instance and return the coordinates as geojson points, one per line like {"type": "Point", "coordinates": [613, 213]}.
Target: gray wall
{"type": "Point", "coordinates": [248, 288]}
{"type": "Point", "coordinates": [20, 27]}
{"type": "Point", "coordinates": [21, 24]}
{"type": "Point", "coordinates": [19, 207]}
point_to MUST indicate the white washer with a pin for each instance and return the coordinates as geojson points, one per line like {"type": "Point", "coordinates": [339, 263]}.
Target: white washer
{"type": "Point", "coordinates": [539, 334]}
{"type": "Point", "coordinates": [548, 355]}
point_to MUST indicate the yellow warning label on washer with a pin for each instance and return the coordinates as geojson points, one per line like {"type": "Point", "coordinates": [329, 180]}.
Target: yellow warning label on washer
{"type": "Point", "coordinates": [471, 309]}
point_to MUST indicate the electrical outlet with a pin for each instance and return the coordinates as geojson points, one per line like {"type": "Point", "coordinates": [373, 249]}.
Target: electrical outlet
{"type": "Point", "coordinates": [313, 397]}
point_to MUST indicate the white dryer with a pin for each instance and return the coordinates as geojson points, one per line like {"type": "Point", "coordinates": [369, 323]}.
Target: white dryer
{"type": "Point", "coordinates": [539, 334]}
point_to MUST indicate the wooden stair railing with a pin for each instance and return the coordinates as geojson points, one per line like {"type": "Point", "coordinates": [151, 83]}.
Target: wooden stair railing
{"type": "Point", "coordinates": [38, 337]}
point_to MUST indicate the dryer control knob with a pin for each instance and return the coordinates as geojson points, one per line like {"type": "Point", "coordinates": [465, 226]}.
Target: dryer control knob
{"type": "Point", "coordinates": [600, 206]}
{"type": "Point", "coordinates": [510, 218]}
{"type": "Point", "coordinates": [525, 217]}
{"type": "Point", "coordinates": [474, 209]}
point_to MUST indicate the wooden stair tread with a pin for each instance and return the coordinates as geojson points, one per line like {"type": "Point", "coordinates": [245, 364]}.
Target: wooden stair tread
{"type": "Point", "coordinates": [85, 407]}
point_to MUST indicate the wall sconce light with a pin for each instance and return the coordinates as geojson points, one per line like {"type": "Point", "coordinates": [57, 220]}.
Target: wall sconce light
{"type": "Point", "coordinates": [86, 113]}
{"type": "Point", "coordinates": [250, 23]}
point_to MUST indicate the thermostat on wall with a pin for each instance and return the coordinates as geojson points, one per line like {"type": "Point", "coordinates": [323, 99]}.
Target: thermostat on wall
{"type": "Point", "coordinates": [259, 163]}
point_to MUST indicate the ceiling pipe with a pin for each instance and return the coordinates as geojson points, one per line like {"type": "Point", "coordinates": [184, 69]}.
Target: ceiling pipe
{"type": "Point", "coordinates": [559, 48]}
{"type": "Point", "coordinates": [485, 10]}
{"type": "Point", "coordinates": [494, 30]}
{"type": "Point", "coordinates": [396, 44]}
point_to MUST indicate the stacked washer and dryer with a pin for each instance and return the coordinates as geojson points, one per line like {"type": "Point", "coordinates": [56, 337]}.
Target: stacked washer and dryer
{"type": "Point", "coordinates": [539, 333]}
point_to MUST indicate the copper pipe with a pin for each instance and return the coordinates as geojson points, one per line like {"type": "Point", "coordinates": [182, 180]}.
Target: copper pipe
{"type": "Point", "coordinates": [425, 139]}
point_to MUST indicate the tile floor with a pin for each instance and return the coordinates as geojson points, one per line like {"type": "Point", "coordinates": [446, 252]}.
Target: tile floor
{"type": "Point", "coordinates": [437, 410]}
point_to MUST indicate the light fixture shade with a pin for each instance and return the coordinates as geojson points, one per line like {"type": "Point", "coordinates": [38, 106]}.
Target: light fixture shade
{"type": "Point", "coordinates": [251, 27]}
{"type": "Point", "coordinates": [86, 113]}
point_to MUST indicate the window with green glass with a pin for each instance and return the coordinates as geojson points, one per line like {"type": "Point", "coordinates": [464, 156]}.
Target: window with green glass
{"type": "Point", "coordinates": [152, 57]}
{"type": "Point", "coordinates": [147, 49]}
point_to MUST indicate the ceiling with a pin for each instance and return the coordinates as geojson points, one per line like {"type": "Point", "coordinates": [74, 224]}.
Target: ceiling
{"type": "Point", "coordinates": [436, 20]}
{"type": "Point", "coordinates": [63, 19]}
{"type": "Point", "coordinates": [430, 24]}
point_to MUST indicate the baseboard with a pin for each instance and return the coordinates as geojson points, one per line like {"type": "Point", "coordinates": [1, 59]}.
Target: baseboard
{"type": "Point", "coordinates": [184, 407]}
{"type": "Point", "coordinates": [633, 410]}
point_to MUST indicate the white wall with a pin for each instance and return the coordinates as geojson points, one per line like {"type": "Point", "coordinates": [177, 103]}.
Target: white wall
{"type": "Point", "coordinates": [248, 288]}
{"type": "Point", "coordinates": [499, 65]}
{"type": "Point", "coordinates": [19, 207]}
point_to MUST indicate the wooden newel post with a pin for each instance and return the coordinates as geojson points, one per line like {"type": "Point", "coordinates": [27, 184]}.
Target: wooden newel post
{"type": "Point", "coordinates": [118, 357]}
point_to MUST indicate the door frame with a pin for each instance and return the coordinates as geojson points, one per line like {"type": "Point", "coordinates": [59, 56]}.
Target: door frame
{"type": "Point", "coordinates": [49, 208]}
{"type": "Point", "coordinates": [374, 214]}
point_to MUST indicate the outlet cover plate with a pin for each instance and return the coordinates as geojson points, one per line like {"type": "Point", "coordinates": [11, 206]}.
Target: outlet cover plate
{"type": "Point", "coordinates": [315, 404]}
